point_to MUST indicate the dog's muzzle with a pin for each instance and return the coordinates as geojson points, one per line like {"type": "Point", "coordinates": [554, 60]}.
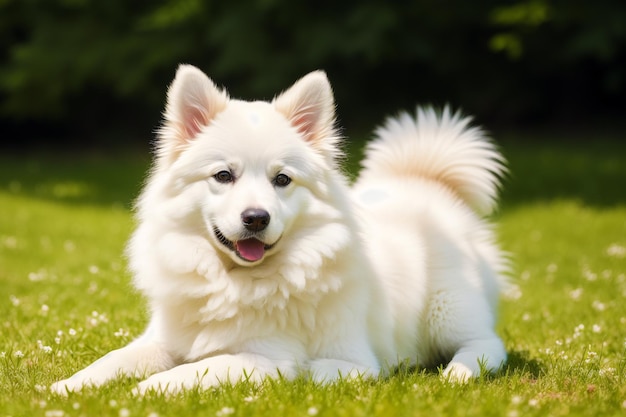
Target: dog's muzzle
{"type": "Point", "coordinates": [249, 248]}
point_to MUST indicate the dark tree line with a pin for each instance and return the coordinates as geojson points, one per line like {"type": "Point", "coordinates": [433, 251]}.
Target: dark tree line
{"type": "Point", "coordinates": [98, 70]}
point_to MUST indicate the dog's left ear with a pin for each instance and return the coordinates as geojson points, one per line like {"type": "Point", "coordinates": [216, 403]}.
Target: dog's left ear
{"type": "Point", "coordinates": [310, 107]}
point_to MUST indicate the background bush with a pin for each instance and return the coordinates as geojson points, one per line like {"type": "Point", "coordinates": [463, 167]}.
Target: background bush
{"type": "Point", "coordinates": [93, 71]}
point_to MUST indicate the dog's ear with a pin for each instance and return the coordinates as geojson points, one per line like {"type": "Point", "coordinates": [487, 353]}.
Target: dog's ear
{"type": "Point", "coordinates": [193, 100]}
{"type": "Point", "coordinates": [310, 107]}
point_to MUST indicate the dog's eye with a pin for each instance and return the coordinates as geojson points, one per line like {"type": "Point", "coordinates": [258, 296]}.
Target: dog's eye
{"type": "Point", "coordinates": [282, 180]}
{"type": "Point", "coordinates": [223, 177]}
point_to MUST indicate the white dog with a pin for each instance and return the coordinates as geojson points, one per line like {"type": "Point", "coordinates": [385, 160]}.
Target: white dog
{"type": "Point", "coordinates": [259, 260]}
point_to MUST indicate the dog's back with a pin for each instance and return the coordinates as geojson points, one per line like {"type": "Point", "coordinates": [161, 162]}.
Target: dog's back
{"type": "Point", "coordinates": [425, 185]}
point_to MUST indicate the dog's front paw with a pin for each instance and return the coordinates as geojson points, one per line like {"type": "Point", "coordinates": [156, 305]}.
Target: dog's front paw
{"type": "Point", "coordinates": [460, 373]}
{"type": "Point", "coordinates": [175, 380]}
{"type": "Point", "coordinates": [157, 386]}
{"type": "Point", "coordinates": [65, 386]}
{"type": "Point", "coordinates": [329, 370]}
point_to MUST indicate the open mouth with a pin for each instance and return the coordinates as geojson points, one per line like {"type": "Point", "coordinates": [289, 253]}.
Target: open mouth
{"type": "Point", "coordinates": [249, 249]}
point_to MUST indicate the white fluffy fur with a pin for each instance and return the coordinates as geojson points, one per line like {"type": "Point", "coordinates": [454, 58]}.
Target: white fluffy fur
{"type": "Point", "coordinates": [351, 281]}
{"type": "Point", "coordinates": [435, 256]}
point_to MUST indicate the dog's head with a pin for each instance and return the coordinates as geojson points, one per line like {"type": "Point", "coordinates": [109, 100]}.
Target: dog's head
{"type": "Point", "coordinates": [244, 172]}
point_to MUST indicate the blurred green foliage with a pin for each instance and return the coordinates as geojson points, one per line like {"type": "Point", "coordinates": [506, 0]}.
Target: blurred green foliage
{"type": "Point", "coordinates": [80, 63]}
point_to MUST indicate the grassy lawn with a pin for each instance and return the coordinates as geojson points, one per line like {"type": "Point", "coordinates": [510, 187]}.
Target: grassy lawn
{"type": "Point", "coordinates": [65, 297]}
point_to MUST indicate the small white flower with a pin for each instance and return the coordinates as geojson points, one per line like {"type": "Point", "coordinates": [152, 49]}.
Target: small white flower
{"type": "Point", "coordinates": [121, 333]}
{"type": "Point", "coordinates": [533, 402]}
{"type": "Point", "coordinates": [69, 246]}
{"type": "Point", "coordinates": [41, 346]}
{"type": "Point", "coordinates": [18, 354]}
{"type": "Point", "coordinates": [516, 399]}
{"type": "Point", "coordinates": [596, 328]}
{"type": "Point", "coordinates": [112, 403]}
{"type": "Point", "coordinates": [10, 241]}
{"type": "Point", "coordinates": [226, 411]}
{"type": "Point", "coordinates": [96, 318]}
{"type": "Point", "coordinates": [37, 276]}
{"type": "Point", "coordinates": [76, 406]}
{"type": "Point", "coordinates": [598, 305]}
{"type": "Point", "coordinates": [589, 275]}
{"type": "Point", "coordinates": [616, 251]}
{"type": "Point", "coordinates": [71, 332]}
{"type": "Point", "coordinates": [607, 372]}
{"type": "Point", "coordinates": [124, 412]}
{"type": "Point", "coordinates": [312, 411]}
{"type": "Point", "coordinates": [93, 287]}
{"type": "Point", "coordinates": [513, 292]}
{"type": "Point", "coordinates": [54, 413]}
{"type": "Point", "coordinates": [93, 269]}
{"type": "Point", "coordinates": [14, 300]}
{"type": "Point", "coordinates": [576, 294]}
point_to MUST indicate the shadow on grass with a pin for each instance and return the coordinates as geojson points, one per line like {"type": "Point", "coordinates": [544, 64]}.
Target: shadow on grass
{"type": "Point", "coordinates": [520, 363]}
{"type": "Point", "coordinates": [76, 178]}
{"type": "Point", "coordinates": [592, 171]}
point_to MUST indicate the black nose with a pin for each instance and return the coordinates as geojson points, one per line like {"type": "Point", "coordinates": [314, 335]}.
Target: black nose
{"type": "Point", "coordinates": [255, 219]}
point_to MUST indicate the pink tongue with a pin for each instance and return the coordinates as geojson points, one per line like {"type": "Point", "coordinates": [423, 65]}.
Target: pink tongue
{"type": "Point", "coordinates": [250, 249]}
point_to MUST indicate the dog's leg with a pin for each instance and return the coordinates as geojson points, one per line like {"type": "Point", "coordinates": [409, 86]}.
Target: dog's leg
{"type": "Point", "coordinates": [461, 322]}
{"type": "Point", "coordinates": [134, 360]}
{"type": "Point", "coordinates": [349, 357]}
{"type": "Point", "coordinates": [140, 358]}
{"type": "Point", "coordinates": [467, 362]}
{"type": "Point", "coordinates": [328, 370]}
{"type": "Point", "coordinates": [216, 370]}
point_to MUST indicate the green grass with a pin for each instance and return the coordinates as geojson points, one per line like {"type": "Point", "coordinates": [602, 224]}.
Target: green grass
{"type": "Point", "coordinates": [65, 296]}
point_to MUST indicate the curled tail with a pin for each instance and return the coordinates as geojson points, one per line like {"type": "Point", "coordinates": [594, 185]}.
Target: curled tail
{"type": "Point", "coordinates": [442, 147]}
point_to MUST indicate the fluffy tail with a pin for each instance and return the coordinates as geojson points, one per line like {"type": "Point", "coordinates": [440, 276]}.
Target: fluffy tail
{"type": "Point", "coordinates": [441, 147]}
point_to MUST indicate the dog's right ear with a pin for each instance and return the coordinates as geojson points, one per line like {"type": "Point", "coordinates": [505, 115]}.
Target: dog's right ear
{"type": "Point", "coordinates": [193, 100]}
